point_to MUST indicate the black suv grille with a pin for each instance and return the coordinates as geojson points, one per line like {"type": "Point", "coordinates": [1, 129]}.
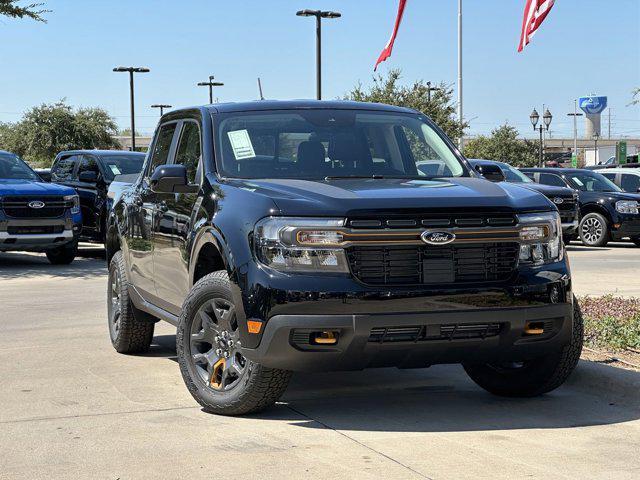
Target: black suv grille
{"type": "Point", "coordinates": [435, 219]}
{"type": "Point", "coordinates": [31, 230]}
{"type": "Point", "coordinates": [426, 264]}
{"type": "Point", "coordinates": [18, 206]}
{"type": "Point", "coordinates": [421, 333]}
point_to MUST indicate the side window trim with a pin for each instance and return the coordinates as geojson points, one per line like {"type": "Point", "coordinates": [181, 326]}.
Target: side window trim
{"type": "Point", "coordinates": [172, 148]}
{"type": "Point", "coordinates": [183, 123]}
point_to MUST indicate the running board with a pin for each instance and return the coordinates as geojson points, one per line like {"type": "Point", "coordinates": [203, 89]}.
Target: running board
{"type": "Point", "coordinates": [141, 304]}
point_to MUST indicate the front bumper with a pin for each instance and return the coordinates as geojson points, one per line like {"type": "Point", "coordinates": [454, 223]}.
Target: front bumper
{"type": "Point", "coordinates": [629, 227]}
{"type": "Point", "coordinates": [412, 339]}
{"type": "Point", "coordinates": [63, 231]}
{"type": "Point", "coordinates": [570, 228]}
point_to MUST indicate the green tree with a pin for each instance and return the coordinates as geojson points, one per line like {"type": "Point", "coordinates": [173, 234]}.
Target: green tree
{"type": "Point", "coordinates": [440, 107]}
{"type": "Point", "coordinates": [504, 145]}
{"type": "Point", "coordinates": [48, 129]}
{"type": "Point", "coordinates": [9, 8]}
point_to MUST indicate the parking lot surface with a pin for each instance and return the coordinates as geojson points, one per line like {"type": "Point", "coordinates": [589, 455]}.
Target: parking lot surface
{"type": "Point", "coordinates": [74, 408]}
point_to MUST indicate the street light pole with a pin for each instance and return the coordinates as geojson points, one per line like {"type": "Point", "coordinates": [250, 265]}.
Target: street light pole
{"type": "Point", "coordinates": [546, 122]}
{"type": "Point", "coordinates": [596, 136]}
{"type": "Point", "coordinates": [431, 89]}
{"type": "Point", "coordinates": [161, 106]}
{"type": "Point", "coordinates": [131, 71]}
{"type": "Point", "coordinates": [319, 14]}
{"type": "Point", "coordinates": [460, 119]}
{"type": "Point", "coordinates": [210, 84]}
{"type": "Point", "coordinates": [575, 116]}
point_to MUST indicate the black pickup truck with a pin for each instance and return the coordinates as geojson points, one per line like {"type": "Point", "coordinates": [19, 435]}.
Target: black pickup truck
{"type": "Point", "coordinates": [306, 236]}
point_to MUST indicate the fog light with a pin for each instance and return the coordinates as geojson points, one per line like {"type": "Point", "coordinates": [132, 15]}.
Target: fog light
{"type": "Point", "coordinates": [324, 338]}
{"type": "Point", "coordinates": [534, 328]}
{"type": "Point", "coordinates": [254, 326]}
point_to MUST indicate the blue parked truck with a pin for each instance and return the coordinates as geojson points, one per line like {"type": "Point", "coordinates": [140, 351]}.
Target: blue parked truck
{"type": "Point", "coordinates": [36, 216]}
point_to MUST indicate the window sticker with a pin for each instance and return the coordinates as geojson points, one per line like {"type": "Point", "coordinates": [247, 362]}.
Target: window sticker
{"type": "Point", "coordinates": [241, 144]}
{"type": "Point", "coordinates": [115, 169]}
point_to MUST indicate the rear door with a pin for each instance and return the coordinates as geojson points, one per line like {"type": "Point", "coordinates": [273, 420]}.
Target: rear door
{"type": "Point", "coordinates": [176, 214]}
{"type": "Point", "coordinates": [630, 182]}
{"type": "Point", "coordinates": [144, 217]}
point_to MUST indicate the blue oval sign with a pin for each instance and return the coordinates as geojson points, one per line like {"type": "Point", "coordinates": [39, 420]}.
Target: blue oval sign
{"type": "Point", "coordinates": [437, 237]}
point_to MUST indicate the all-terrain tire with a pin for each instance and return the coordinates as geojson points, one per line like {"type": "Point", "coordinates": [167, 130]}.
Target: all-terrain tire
{"type": "Point", "coordinates": [598, 223]}
{"type": "Point", "coordinates": [63, 255]}
{"type": "Point", "coordinates": [258, 389]}
{"type": "Point", "coordinates": [132, 334]}
{"type": "Point", "coordinates": [535, 377]}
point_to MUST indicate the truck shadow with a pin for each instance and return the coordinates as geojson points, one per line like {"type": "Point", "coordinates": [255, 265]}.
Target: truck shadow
{"type": "Point", "coordinates": [443, 399]}
{"type": "Point", "coordinates": [90, 262]}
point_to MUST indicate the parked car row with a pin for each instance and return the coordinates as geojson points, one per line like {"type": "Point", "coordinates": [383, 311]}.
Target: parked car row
{"type": "Point", "coordinates": [604, 204]}
{"type": "Point", "coordinates": [51, 210]}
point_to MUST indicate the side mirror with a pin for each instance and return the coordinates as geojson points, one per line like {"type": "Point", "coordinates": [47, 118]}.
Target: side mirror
{"type": "Point", "coordinates": [493, 173]}
{"type": "Point", "coordinates": [88, 176]}
{"type": "Point", "coordinates": [171, 179]}
{"type": "Point", "coordinates": [45, 175]}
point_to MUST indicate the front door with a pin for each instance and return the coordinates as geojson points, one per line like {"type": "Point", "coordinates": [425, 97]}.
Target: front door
{"type": "Point", "coordinates": [143, 218]}
{"type": "Point", "coordinates": [91, 198]}
{"type": "Point", "coordinates": [176, 214]}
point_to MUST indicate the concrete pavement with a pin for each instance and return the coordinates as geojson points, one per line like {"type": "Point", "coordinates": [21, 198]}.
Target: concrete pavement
{"type": "Point", "coordinates": [73, 408]}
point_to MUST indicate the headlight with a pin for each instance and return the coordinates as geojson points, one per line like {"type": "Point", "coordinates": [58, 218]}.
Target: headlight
{"type": "Point", "coordinates": [541, 238]}
{"type": "Point", "coordinates": [627, 206]}
{"type": "Point", "coordinates": [301, 244]}
{"type": "Point", "coordinates": [75, 202]}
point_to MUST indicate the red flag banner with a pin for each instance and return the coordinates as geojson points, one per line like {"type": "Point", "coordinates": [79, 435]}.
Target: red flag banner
{"type": "Point", "coordinates": [386, 52]}
{"type": "Point", "coordinates": [535, 11]}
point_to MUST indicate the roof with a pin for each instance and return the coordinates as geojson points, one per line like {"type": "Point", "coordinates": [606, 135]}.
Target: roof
{"type": "Point", "coordinates": [259, 105]}
{"type": "Point", "coordinates": [555, 170]}
{"type": "Point", "coordinates": [101, 153]}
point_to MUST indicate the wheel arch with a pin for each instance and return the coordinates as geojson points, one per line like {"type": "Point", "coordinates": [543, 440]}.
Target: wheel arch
{"type": "Point", "coordinates": [595, 208]}
{"type": "Point", "coordinates": [210, 254]}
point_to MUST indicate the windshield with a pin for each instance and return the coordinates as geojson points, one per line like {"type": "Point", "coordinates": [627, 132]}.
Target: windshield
{"type": "Point", "coordinates": [592, 182]}
{"type": "Point", "coordinates": [121, 165]}
{"type": "Point", "coordinates": [13, 168]}
{"type": "Point", "coordinates": [332, 143]}
{"type": "Point", "coordinates": [513, 175]}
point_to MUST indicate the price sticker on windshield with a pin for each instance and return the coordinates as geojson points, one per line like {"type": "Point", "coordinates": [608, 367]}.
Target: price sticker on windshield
{"type": "Point", "coordinates": [241, 144]}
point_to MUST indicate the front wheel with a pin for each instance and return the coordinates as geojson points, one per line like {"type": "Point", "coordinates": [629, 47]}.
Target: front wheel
{"type": "Point", "coordinates": [214, 370]}
{"type": "Point", "coordinates": [594, 230]}
{"type": "Point", "coordinates": [63, 255]}
{"type": "Point", "coordinates": [533, 377]}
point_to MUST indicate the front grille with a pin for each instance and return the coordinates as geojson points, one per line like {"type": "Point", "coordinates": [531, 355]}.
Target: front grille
{"type": "Point", "coordinates": [422, 333]}
{"type": "Point", "coordinates": [429, 265]}
{"type": "Point", "coordinates": [34, 230]}
{"type": "Point", "coordinates": [434, 219]}
{"type": "Point", "coordinates": [18, 206]}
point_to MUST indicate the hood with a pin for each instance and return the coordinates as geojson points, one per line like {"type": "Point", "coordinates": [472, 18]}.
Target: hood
{"type": "Point", "coordinates": [548, 190]}
{"type": "Point", "coordinates": [344, 197]}
{"type": "Point", "coordinates": [604, 196]}
{"type": "Point", "coordinates": [29, 187]}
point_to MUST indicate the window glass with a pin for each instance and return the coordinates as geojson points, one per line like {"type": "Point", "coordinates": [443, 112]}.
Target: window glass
{"type": "Point", "coordinates": [63, 169]}
{"type": "Point", "coordinates": [13, 168]}
{"type": "Point", "coordinates": [630, 182]}
{"type": "Point", "coordinates": [124, 164]}
{"type": "Point", "coordinates": [314, 144]}
{"type": "Point", "coordinates": [88, 164]}
{"type": "Point", "coordinates": [610, 176]}
{"type": "Point", "coordinates": [592, 182]}
{"type": "Point", "coordinates": [162, 146]}
{"type": "Point", "coordinates": [553, 180]}
{"type": "Point", "coordinates": [189, 150]}
{"type": "Point", "coordinates": [513, 175]}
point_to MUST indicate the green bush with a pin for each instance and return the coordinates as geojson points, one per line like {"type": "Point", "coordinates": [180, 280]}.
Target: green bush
{"type": "Point", "coordinates": [611, 322]}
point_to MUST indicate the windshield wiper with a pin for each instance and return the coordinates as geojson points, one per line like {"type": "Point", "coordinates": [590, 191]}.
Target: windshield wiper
{"type": "Point", "coordinates": [380, 177]}
{"type": "Point", "coordinates": [347, 177]}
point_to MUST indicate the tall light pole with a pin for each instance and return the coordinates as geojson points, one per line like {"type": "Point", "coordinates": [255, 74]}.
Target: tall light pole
{"type": "Point", "coordinates": [575, 116]}
{"type": "Point", "coordinates": [546, 122]}
{"type": "Point", "coordinates": [131, 71]}
{"type": "Point", "coordinates": [461, 140]}
{"type": "Point", "coordinates": [161, 106]}
{"type": "Point", "coordinates": [319, 14]}
{"type": "Point", "coordinates": [210, 84]}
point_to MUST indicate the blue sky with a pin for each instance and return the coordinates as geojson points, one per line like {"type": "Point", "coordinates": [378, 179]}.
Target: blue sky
{"type": "Point", "coordinates": [584, 46]}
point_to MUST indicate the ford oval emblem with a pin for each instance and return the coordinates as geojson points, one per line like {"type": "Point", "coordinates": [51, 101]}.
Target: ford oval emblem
{"type": "Point", "coordinates": [558, 200]}
{"type": "Point", "coordinates": [36, 204]}
{"type": "Point", "coordinates": [437, 238]}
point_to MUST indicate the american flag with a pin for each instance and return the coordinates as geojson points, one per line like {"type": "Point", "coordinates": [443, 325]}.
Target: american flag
{"type": "Point", "coordinates": [534, 14]}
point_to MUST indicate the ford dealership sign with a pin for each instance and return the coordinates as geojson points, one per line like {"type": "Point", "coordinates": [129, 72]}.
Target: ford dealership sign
{"type": "Point", "coordinates": [592, 105]}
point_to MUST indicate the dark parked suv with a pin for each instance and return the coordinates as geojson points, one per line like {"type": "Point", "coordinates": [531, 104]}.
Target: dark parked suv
{"type": "Point", "coordinates": [303, 235]}
{"type": "Point", "coordinates": [607, 213]}
{"type": "Point", "coordinates": [564, 198]}
{"type": "Point", "coordinates": [90, 172]}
